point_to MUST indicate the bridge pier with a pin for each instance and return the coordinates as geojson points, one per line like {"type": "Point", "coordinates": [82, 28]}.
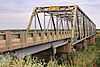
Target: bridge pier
{"type": "Point", "coordinates": [53, 53]}
{"type": "Point", "coordinates": [65, 50]}
{"type": "Point", "coordinates": [91, 40]}
{"type": "Point", "coordinates": [81, 45]}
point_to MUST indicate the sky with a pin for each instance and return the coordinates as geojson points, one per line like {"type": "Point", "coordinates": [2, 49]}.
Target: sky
{"type": "Point", "coordinates": [15, 14]}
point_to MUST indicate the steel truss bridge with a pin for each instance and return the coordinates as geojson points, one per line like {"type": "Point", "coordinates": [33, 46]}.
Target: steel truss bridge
{"type": "Point", "coordinates": [59, 27]}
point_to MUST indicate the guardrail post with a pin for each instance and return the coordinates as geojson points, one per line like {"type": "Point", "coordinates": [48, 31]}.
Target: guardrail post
{"type": "Point", "coordinates": [9, 39]}
{"type": "Point", "coordinates": [35, 37]}
{"type": "Point", "coordinates": [48, 35]}
{"type": "Point", "coordinates": [53, 35]}
{"type": "Point", "coordinates": [42, 35]}
{"type": "Point", "coordinates": [23, 38]}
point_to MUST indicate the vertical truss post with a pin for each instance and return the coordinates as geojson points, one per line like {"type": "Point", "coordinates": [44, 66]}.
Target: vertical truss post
{"type": "Point", "coordinates": [35, 23]}
{"type": "Point", "coordinates": [67, 24]}
{"type": "Point", "coordinates": [73, 24]}
{"type": "Point", "coordinates": [87, 26]}
{"type": "Point", "coordinates": [57, 22]}
{"type": "Point", "coordinates": [44, 22]}
{"type": "Point", "coordinates": [78, 25]}
{"type": "Point", "coordinates": [83, 26]}
{"type": "Point", "coordinates": [62, 25]}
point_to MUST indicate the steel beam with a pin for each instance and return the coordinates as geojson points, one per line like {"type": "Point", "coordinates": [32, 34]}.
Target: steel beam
{"type": "Point", "coordinates": [38, 48]}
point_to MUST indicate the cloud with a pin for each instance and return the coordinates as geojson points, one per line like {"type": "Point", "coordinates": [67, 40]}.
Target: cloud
{"type": "Point", "coordinates": [14, 20]}
{"type": "Point", "coordinates": [16, 13]}
{"type": "Point", "coordinates": [15, 6]}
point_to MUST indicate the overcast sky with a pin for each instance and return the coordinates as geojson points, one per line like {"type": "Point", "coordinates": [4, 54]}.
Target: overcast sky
{"type": "Point", "coordinates": [15, 14]}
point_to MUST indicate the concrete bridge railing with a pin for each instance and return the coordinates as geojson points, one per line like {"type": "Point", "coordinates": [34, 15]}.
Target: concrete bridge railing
{"type": "Point", "coordinates": [10, 41]}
